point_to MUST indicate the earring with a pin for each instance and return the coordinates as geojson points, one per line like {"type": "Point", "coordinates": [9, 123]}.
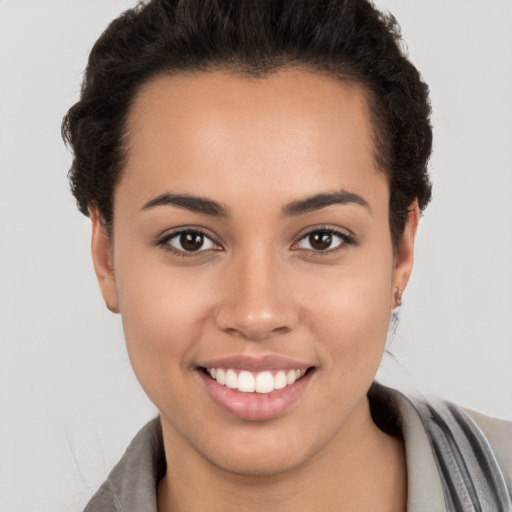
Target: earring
{"type": "Point", "coordinates": [398, 297]}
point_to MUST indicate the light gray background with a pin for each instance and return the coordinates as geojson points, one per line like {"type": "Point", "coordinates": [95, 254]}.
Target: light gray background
{"type": "Point", "coordinates": [68, 401]}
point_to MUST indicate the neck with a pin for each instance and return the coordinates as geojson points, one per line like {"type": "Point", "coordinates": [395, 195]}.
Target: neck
{"type": "Point", "coordinates": [362, 469]}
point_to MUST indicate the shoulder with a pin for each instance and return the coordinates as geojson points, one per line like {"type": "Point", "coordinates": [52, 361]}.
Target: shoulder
{"type": "Point", "coordinates": [499, 435]}
{"type": "Point", "coordinates": [469, 454]}
{"type": "Point", "coordinates": [131, 486]}
{"type": "Point", "coordinates": [473, 453]}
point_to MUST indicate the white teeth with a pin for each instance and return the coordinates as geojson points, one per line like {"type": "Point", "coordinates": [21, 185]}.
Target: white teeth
{"type": "Point", "coordinates": [264, 382]}
{"type": "Point", "coordinates": [231, 379]}
{"type": "Point", "coordinates": [259, 382]}
{"type": "Point", "coordinates": [280, 380]}
{"type": "Point", "coordinates": [290, 377]}
{"type": "Point", "coordinates": [246, 382]}
{"type": "Point", "coordinates": [220, 375]}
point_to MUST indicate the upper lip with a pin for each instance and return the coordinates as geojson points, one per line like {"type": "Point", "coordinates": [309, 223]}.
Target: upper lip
{"type": "Point", "coordinates": [256, 364]}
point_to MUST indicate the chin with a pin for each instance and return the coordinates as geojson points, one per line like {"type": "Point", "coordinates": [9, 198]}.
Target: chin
{"type": "Point", "coordinates": [259, 462]}
{"type": "Point", "coordinates": [265, 448]}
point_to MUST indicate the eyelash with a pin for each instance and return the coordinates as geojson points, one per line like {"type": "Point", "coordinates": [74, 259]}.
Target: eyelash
{"type": "Point", "coordinates": [164, 242]}
{"type": "Point", "coordinates": [346, 239]}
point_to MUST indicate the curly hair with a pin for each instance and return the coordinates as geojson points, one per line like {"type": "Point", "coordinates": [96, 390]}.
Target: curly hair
{"type": "Point", "coordinates": [348, 40]}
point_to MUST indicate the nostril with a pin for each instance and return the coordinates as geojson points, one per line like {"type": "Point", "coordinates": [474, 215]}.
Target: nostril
{"type": "Point", "coordinates": [256, 320]}
{"type": "Point", "coordinates": [255, 330]}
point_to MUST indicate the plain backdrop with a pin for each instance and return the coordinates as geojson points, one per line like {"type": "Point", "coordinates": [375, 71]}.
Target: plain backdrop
{"type": "Point", "coordinates": [69, 404]}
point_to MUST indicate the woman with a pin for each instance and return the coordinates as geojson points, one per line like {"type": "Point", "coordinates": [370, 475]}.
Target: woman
{"type": "Point", "coordinates": [254, 173]}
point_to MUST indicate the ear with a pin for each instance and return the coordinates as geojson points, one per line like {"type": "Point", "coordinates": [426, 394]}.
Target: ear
{"type": "Point", "coordinates": [101, 249]}
{"type": "Point", "coordinates": [404, 256]}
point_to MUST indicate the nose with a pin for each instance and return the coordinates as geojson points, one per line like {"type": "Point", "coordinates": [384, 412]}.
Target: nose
{"type": "Point", "coordinates": [257, 301]}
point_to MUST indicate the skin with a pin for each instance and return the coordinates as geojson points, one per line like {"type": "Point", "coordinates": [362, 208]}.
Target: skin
{"type": "Point", "coordinates": [259, 288]}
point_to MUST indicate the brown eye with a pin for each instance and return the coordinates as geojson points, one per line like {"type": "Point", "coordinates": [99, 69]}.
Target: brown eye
{"type": "Point", "coordinates": [189, 241]}
{"type": "Point", "coordinates": [320, 240]}
{"type": "Point", "coordinates": [323, 239]}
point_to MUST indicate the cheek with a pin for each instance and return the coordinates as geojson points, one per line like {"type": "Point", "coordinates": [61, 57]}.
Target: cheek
{"type": "Point", "coordinates": [349, 313]}
{"type": "Point", "coordinates": [163, 311]}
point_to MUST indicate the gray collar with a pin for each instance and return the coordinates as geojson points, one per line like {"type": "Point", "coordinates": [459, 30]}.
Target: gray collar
{"type": "Point", "coordinates": [132, 485]}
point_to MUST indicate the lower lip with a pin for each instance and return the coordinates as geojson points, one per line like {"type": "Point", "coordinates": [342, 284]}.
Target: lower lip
{"type": "Point", "coordinates": [255, 406]}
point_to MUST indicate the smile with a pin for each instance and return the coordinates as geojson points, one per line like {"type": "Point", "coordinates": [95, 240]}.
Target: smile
{"type": "Point", "coordinates": [255, 388]}
{"type": "Point", "coordinates": [255, 382]}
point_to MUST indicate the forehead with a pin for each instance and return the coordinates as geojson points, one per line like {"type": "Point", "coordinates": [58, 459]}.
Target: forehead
{"type": "Point", "coordinates": [291, 130]}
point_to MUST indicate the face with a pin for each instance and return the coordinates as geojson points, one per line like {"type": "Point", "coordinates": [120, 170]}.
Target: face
{"type": "Point", "coordinates": [251, 245]}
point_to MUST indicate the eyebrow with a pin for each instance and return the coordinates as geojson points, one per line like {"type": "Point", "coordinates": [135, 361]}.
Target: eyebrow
{"type": "Point", "coordinates": [193, 203]}
{"type": "Point", "coordinates": [318, 201]}
{"type": "Point", "coordinates": [212, 208]}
